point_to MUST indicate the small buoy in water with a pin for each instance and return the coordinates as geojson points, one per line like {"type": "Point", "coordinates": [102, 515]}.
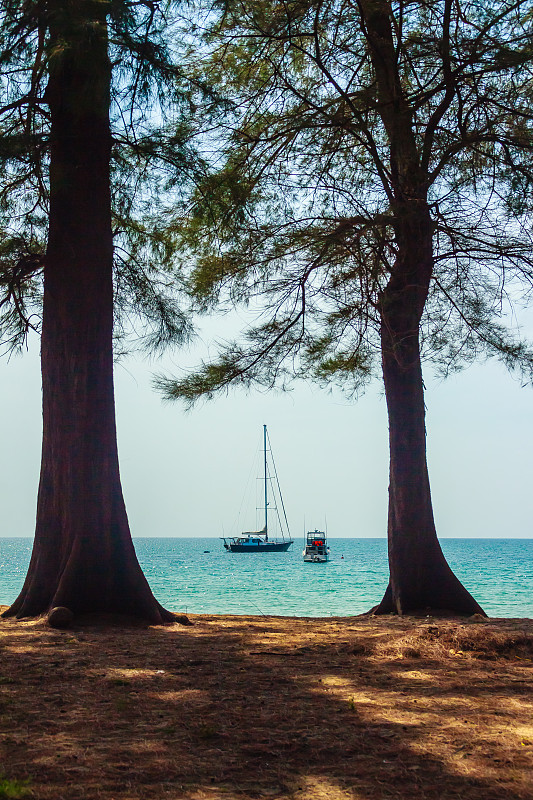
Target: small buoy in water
{"type": "Point", "coordinates": [342, 557]}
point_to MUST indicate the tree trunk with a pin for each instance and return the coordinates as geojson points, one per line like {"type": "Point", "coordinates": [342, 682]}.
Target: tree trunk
{"type": "Point", "coordinates": [83, 556]}
{"type": "Point", "coordinates": [420, 578]}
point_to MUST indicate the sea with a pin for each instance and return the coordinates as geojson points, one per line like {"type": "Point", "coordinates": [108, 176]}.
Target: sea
{"type": "Point", "coordinates": [197, 576]}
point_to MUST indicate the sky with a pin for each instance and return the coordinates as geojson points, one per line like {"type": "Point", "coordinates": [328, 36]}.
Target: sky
{"type": "Point", "coordinates": [184, 473]}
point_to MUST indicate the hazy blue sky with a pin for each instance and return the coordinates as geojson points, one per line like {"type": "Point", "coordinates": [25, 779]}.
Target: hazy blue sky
{"type": "Point", "coordinates": [184, 474]}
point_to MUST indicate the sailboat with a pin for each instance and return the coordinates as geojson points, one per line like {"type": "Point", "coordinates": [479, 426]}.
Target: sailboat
{"type": "Point", "coordinates": [259, 541]}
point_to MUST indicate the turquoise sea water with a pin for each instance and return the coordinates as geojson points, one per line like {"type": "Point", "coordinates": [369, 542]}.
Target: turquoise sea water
{"type": "Point", "coordinates": [498, 572]}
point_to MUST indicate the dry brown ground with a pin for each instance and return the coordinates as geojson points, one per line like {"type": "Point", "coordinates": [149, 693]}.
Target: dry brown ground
{"type": "Point", "coordinates": [243, 708]}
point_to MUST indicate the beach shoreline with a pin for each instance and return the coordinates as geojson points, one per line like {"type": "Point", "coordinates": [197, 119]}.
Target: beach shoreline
{"type": "Point", "coordinates": [244, 707]}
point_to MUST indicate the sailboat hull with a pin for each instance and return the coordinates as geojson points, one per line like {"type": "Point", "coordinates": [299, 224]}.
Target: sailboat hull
{"type": "Point", "coordinates": [263, 547]}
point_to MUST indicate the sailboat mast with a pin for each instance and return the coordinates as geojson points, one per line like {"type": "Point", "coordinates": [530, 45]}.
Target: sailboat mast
{"type": "Point", "coordinates": [266, 491]}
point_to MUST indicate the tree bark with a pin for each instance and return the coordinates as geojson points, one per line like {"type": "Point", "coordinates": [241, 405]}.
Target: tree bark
{"type": "Point", "coordinates": [83, 555]}
{"type": "Point", "coordinates": [420, 577]}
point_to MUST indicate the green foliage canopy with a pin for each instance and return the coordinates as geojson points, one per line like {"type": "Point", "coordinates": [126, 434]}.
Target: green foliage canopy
{"type": "Point", "coordinates": [153, 161]}
{"type": "Point", "coordinates": [300, 212]}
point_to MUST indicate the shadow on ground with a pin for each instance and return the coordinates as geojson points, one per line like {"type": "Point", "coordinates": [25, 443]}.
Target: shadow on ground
{"type": "Point", "coordinates": [253, 707]}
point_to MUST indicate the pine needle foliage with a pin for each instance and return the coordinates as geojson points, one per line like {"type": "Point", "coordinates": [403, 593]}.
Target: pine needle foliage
{"type": "Point", "coordinates": [153, 162]}
{"type": "Point", "coordinates": [312, 173]}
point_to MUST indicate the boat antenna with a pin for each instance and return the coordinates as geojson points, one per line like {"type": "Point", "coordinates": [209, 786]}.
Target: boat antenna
{"type": "Point", "coordinates": [266, 490]}
{"type": "Point", "coordinates": [279, 489]}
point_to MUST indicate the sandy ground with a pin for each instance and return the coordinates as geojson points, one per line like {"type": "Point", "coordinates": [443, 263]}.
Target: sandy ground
{"type": "Point", "coordinates": [244, 708]}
